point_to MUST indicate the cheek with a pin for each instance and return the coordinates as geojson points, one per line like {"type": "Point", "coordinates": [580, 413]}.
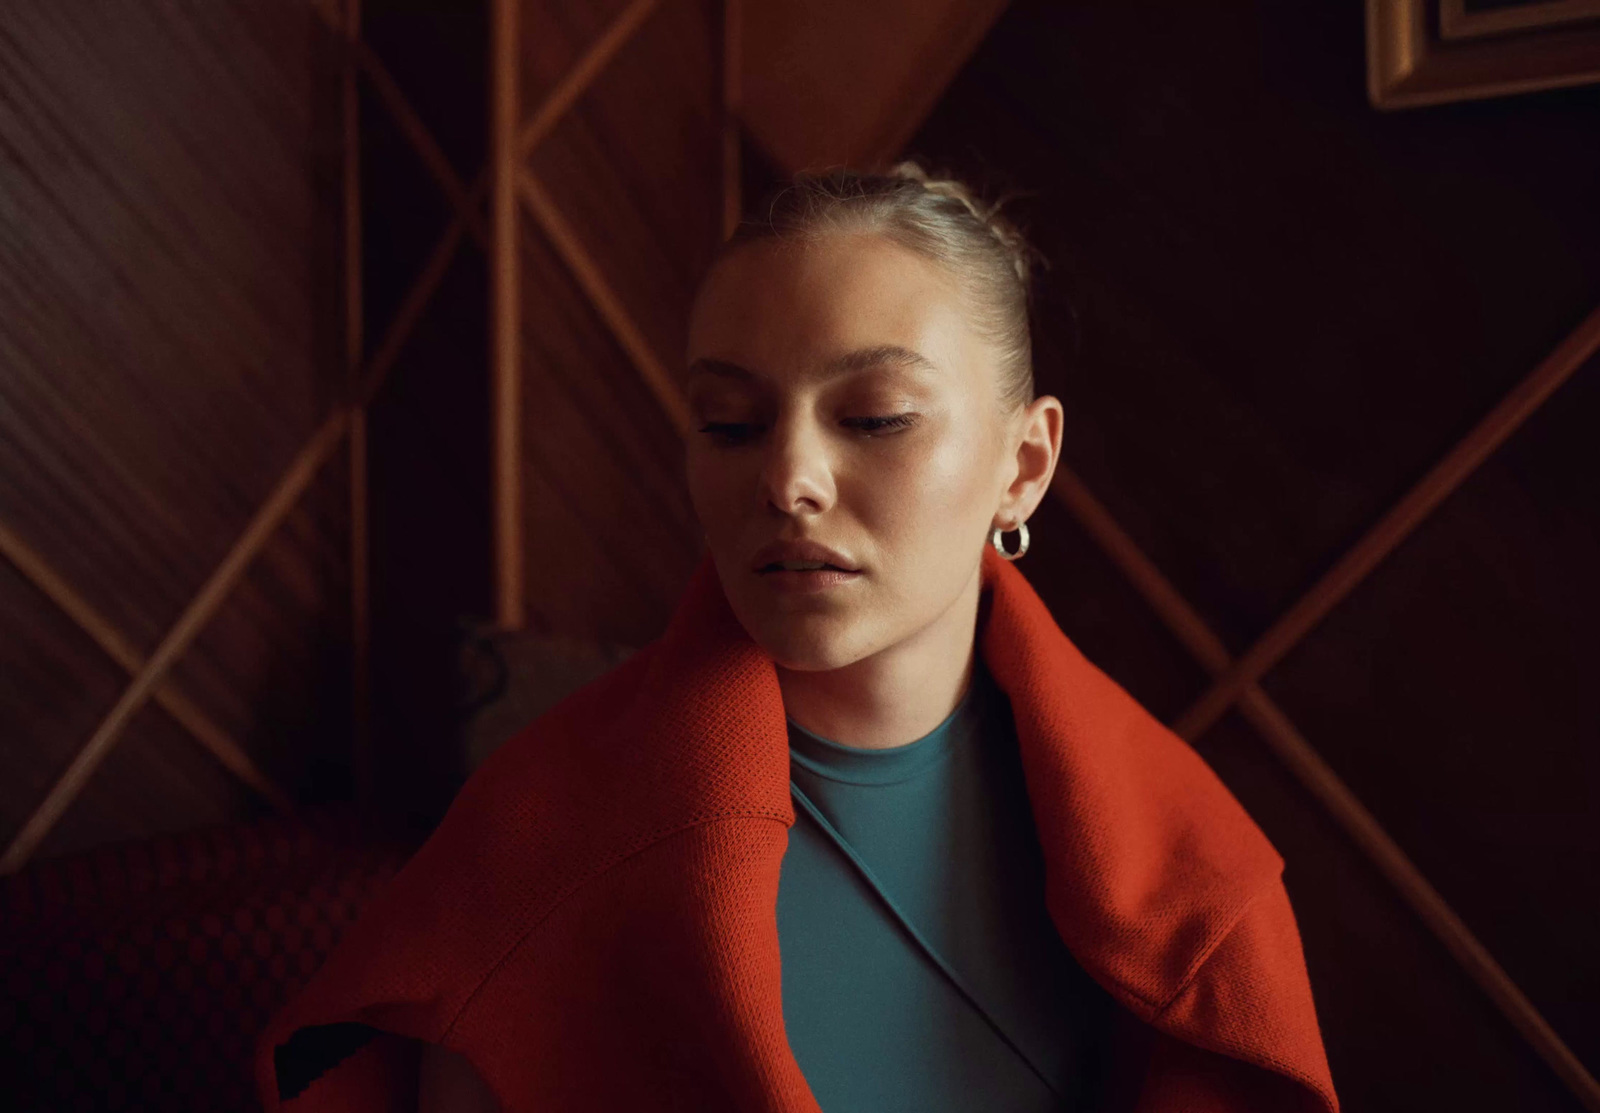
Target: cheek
{"type": "Point", "coordinates": [933, 487]}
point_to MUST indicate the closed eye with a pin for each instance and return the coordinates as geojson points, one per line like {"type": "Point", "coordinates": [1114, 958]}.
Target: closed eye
{"type": "Point", "coordinates": [878, 424]}
{"type": "Point", "coordinates": [739, 431]}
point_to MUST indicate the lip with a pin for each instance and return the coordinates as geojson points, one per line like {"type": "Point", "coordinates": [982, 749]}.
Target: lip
{"type": "Point", "coordinates": [802, 550]}
{"type": "Point", "coordinates": [806, 583]}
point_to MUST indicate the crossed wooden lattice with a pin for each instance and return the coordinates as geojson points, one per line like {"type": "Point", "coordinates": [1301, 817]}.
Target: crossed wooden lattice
{"type": "Point", "coordinates": [512, 189]}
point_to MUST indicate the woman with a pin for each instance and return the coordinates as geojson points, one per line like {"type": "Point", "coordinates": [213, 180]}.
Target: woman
{"type": "Point", "coordinates": [862, 830]}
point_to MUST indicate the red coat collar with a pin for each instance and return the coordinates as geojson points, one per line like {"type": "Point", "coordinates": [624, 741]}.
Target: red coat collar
{"type": "Point", "coordinates": [1159, 883]}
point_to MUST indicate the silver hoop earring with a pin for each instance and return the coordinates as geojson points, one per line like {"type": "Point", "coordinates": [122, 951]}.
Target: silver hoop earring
{"type": "Point", "coordinates": [995, 539]}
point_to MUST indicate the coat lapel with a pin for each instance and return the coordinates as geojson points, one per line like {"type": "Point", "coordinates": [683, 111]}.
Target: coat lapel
{"type": "Point", "coordinates": [1150, 862]}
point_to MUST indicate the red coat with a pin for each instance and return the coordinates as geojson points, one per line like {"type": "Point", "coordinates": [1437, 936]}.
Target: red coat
{"type": "Point", "coordinates": [594, 924]}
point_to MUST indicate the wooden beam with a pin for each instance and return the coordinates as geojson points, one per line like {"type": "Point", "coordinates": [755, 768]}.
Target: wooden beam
{"type": "Point", "coordinates": [421, 139]}
{"type": "Point", "coordinates": [512, 140]}
{"type": "Point", "coordinates": [405, 116]}
{"type": "Point", "coordinates": [604, 300]}
{"type": "Point", "coordinates": [577, 80]}
{"type": "Point", "coordinates": [205, 603]}
{"type": "Point", "coordinates": [227, 751]}
{"type": "Point", "coordinates": [1318, 778]}
{"type": "Point", "coordinates": [1182, 619]}
{"type": "Point", "coordinates": [1431, 908]}
{"type": "Point", "coordinates": [506, 316]}
{"type": "Point", "coordinates": [1395, 526]}
{"type": "Point", "coordinates": [363, 384]}
{"type": "Point", "coordinates": [112, 642]}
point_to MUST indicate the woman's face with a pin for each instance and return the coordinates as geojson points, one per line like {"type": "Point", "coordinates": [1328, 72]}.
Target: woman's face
{"type": "Point", "coordinates": [841, 395]}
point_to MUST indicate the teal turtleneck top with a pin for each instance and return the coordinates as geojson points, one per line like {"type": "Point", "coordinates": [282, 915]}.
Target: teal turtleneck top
{"type": "Point", "coordinates": [921, 970]}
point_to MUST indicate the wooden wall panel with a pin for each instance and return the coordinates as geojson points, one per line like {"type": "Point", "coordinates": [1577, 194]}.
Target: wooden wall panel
{"type": "Point", "coordinates": [437, 54]}
{"type": "Point", "coordinates": [1454, 692]}
{"type": "Point", "coordinates": [635, 168]}
{"type": "Point", "coordinates": [403, 212]}
{"type": "Point", "coordinates": [273, 665]}
{"type": "Point", "coordinates": [611, 535]}
{"type": "Point", "coordinates": [1108, 620]}
{"type": "Point", "coordinates": [1404, 1028]}
{"type": "Point", "coordinates": [838, 82]}
{"type": "Point", "coordinates": [54, 686]}
{"type": "Point", "coordinates": [169, 318]}
{"type": "Point", "coordinates": [1421, 263]}
{"type": "Point", "coordinates": [156, 781]}
{"type": "Point", "coordinates": [555, 34]}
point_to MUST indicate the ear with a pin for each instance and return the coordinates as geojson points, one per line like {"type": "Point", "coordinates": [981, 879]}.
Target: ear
{"type": "Point", "coordinates": [1037, 448]}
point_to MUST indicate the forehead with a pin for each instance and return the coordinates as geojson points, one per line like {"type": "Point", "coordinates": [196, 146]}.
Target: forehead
{"type": "Point", "coordinates": [798, 307]}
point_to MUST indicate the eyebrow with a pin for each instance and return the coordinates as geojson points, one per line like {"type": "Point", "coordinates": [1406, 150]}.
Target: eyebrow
{"type": "Point", "coordinates": [861, 359]}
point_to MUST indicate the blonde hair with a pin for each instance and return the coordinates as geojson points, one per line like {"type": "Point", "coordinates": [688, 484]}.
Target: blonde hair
{"type": "Point", "coordinates": [941, 219]}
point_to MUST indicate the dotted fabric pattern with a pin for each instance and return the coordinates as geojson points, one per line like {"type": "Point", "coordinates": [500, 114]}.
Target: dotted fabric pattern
{"type": "Point", "coordinates": [138, 976]}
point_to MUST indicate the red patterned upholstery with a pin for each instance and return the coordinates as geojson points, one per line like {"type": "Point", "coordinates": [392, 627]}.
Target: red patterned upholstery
{"type": "Point", "coordinates": [138, 976]}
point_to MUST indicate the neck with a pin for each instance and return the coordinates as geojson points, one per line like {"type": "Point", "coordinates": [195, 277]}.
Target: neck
{"type": "Point", "coordinates": [896, 695]}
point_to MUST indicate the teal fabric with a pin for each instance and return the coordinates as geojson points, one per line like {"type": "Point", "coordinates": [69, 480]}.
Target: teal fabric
{"type": "Point", "coordinates": [921, 970]}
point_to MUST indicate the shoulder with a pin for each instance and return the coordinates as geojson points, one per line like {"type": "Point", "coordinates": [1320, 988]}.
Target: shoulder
{"type": "Point", "coordinates": [535, 811]}
{"type": "Point", "coordinates": [528, 826]}
{"type": "Point", "coordinates": [550, 746]}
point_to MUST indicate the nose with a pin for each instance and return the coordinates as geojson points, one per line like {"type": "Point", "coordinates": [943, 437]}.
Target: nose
{"type": "Point", "coordinates": [796, 472]}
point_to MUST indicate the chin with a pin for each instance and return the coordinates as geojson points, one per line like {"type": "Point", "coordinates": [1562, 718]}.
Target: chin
{"type": "Point", "coordinates": [809, 643]}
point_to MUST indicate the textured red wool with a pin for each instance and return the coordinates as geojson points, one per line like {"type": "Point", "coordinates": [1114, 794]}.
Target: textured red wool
{"type": "Point", "coordinates": [594, 926]}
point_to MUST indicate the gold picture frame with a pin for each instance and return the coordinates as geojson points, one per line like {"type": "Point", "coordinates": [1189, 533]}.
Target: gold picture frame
{"type": "Point", "coordinates": [1422, 52]}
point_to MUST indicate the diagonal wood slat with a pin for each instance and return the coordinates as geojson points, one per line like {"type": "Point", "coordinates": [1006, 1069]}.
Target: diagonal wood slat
{"type": "Point", "coordinates": [1363, 829]}
{"type": "Point", "coordinates": [1173, 609]}
{"type": "Point", "coordinates": [605, 301]}
{"type": "Point", "coordinates": [205, 603]}
{"type": "Point", "coordinates": [512, 142]}
{"type": "Point", "coordinates": [1395, 526]}
{"type": "Point", "coordinates": [112, 642]}
{"type": "Point", "coordinates": [406, 118]}
{"type": "Point", "coordinates": [410, 311]}
{"type": "Point", "coordinates": [421, 139]}
{"type": "Point", "coordinates": [582, 74]}
{"type": "Point", "coordinates": [228, 751]}
{"type": "Point", "coordinates": [1317, 776]}
{"type": "Point", "coordinates": [148, 682]}
{"type": "Point", "coordinates": [364, 385]}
